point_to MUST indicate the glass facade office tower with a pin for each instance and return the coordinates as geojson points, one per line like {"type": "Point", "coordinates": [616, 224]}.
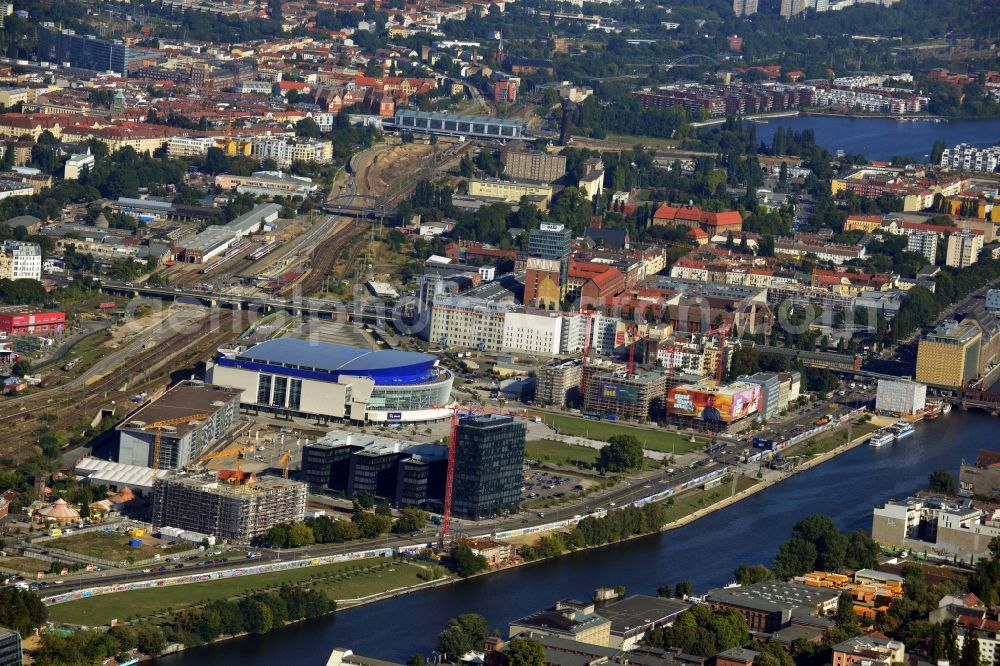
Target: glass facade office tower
{"type": "Point", "coordinates": [489, 465]}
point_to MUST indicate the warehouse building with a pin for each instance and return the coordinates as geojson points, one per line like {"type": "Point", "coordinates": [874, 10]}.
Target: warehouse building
{"type": "Point", "coordinates": [900, 397]}
{"type": "Point", "coordinates": [407, 474]}
{"type": "Point", "coordinates": [189, 417]}
{"type": "Point", "coordinates": [32, 323]}
{"type": "Point", "coordinates": [324, 381]}
{"type": "Point", "coordinates": [215, 240]}
{"type": "Point", "coordinates": [446, 124]}
{"type": "Point", "coordinates": [237, 507]}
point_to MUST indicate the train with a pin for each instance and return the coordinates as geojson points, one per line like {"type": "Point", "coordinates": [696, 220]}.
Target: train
{"type": "Point", "coordinates": [226, 256]}
{"type": "Point", "coordinates": [263, 250]}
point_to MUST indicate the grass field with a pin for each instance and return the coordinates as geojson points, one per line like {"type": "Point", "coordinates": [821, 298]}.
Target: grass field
{"type": "Point", "coordinates": [690, 502]}
{"type": "Point", "coordinates": [558, 453]}
{"type": "Point", "coordinates": [344, 580]}
{"type": "Point", "coordinates": [651, 438]}
{"type": "Point", "coordinates": [827, 441]}
{"type": "Point", "coordinates": [647, 141]}
{"type": "Point", "coordinates": [110, 546]}
{"type": "Point", "coordinates": [28, 565]}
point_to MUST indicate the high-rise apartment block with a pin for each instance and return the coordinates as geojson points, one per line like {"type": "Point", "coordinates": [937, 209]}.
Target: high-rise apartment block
{"type": "Point", "coordinates": [963, 249]}
{"type": "Point", "coordinates": [744, 7]}
{"type": "Point", "coordinates": [489, 464]}
{"type": "Point", "coordinates": [540, 167]}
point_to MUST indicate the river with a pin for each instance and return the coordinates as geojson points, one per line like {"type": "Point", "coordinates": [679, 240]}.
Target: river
{"type": "Point", "coordinates": [880, 139]}
{"type": "Point", "coordinates": [705, 552]}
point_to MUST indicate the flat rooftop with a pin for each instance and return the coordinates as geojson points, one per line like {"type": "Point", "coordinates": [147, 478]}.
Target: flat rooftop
{"type": "Point", "coordinates": [186, 399]}
{"type": "Point", "coordinates": [954, 332]}
{"type": "Point", "coordinates": [641, 610]}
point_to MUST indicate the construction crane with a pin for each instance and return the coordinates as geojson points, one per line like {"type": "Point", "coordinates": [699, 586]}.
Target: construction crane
{"type": "Point", "coordinates": [283, 462]}
{"type": "Point", "coordinates": [449, 484]}
{"type": "Point", "coordinates": [160, 426]}
{"type": "Point", "coordinates": [225, 453]}
{"type": "Point", "coordinates": [588, 331]}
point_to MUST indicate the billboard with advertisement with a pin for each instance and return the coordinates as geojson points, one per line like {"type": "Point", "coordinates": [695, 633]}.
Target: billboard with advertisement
{"type": "Point", "coordinates": [619, 393]}
{"type": "Point", "coordinates": [726, 403]}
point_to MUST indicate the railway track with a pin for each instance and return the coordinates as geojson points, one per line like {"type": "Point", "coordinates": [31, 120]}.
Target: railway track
{"type": "Point", "coordinates": [149, 369]}
{"type": "Point", "coordinates": [324, 257]}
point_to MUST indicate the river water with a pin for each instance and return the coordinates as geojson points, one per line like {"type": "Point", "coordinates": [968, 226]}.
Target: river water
{"type": "Point", "coordinates": [705, 552]}
{"type": "Point", "coordinates": [879, 139]}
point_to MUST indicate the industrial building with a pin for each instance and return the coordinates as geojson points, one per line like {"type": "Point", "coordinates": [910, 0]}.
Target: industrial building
{"type": "Point", "coordinates": [405, 473]}
{"type": "Point", "coordinates": [324, 381]}
{"type": "Point", "coordinates": [188, 418]}
{"type": "Point", "coordinates": [557, 382]}
{"type": "Point", "coordinates": [949, 355]}
{"type": "Point", "coordinates": [237, 507]}
{"type": "Point", "coordinates": [446, 124]}
{"type": "Point", "coordinates": [489, 465]}
{"type": "Point", "coordinates": [98, 472]}
{"type": "Point", "coordinates": [512, 191]}
{"type": "Point", "coordinates": [772, 605]}
{"type": "Point", "coordinates": [268, 184]}
{"type": "Point", "coordinates": [215, 240]}
{"type": "Point", "coordinates": [900, 397]}
{"type": "Point", "coordinates": [32, 323]}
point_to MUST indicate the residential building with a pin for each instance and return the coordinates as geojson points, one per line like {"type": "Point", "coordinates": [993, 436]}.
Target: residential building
{"type": "Point", "coordinates": [20, 261]}
{"type": "Point", "coordinates": [900, 397]}
{"type": "Point", "coordinates": [924, 242]}
{"type": "Point", "coordinates": [981, 478]}
{"type": "Point", "coordinates": [967, 157]}
{"type": "Point", "coordinates": [468, 323]}
{"type": "Point", "coordinates": [284, 151]}
{"type": "Point", "coordinates": [489, 465]}
{"type": "Point", "coordinates": [869, 649]}
{"type": "Point", "coordinates": [634, 397]}
{"type": "Point", "coordinates": [87, 51]}
{"type": "Point", "coordinates": [237, 507]}
{"type": "Point", "coordinates": [744, 7]}
{"type": "Point", "coordinates": [185, 420]}
{"type": "Point", "coordinates": [949, 355]}
{"type": "Point", "coordinates": [533, 166]}
{"type": "Point", "coordinates": [557, 382]}
{"type": "Point", "coordinates": [511, 191]}
{"type": "Point", "coordinates": [713, 224]}
{"type": "Point", "coordinates": [963, 249]}
{"type": "Point", "coordinates": [76, 164]}
{"type": "Point", "coordinates": [190, 146]}
{"type": "Point", "coordinates": [938, 526]}
{"type": "Point", "coordinates": [11, 653]}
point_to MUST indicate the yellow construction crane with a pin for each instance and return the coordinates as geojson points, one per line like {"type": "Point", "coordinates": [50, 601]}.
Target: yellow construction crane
{"type": "Point", "coordinates": [283, 461]}
{"type": "Point", "coordinates": [160, 426]}
{"type": "Point", "coordinates": [225, 453]}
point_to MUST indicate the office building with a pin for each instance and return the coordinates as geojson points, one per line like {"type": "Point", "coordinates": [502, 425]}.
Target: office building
{"type": "Point", "coordinates": [318, 380]}
{"type": "Point", "coordinates": [744, 7]}
{"type": "Point", "coordinates": [569, 619]}
{"type": "Point", "coordinates": [10, 647]}
{"type": "Point", "coordinates": [237, 507]}
{"type": "Point", "coordinates": [489, 465]}
{"type": "Point", "coordinates": [963, 249]}
{"type": "Point", "coordinates": [770, 606]}
{"type": "Point", "coordinates": [538, 167]}
{"type": "Point", "coordinates": [20, 261]}
{"type": "Point", "coordinates": [405, 473]}
{"type": "Point", "coordinates": [188, 418]}
{"type": "Point", "coordinates": [512, 191]}
{"type": "Point", "coordinates": [770, 385]}
{"type": "Point", "coordinates": [552, 241]}
{"type": "Point", "coordinates": [558, 382]}
{"type": "Point", "coordinates": [87, 51]}
{"type": "Point", "coordinates": [924, 242]}
{"type": "Point", "coordinates": [993, 300]}
{"type": "Point", "coordinates": [900, 397]}
{"type": "Point", "coordinates": [943, 527]}
{"type": "Point", "coordinates": [949, 355]}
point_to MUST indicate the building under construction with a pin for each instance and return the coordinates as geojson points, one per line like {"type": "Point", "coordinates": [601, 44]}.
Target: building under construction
{"type": "Point", "coordinates": [558, 382]}
{"type": "Point", "coordinates": [623, 395]}
{"type": "Point", "coordinates": [187, 418]}
{"type": "Point", "coordinates": [235, 506]}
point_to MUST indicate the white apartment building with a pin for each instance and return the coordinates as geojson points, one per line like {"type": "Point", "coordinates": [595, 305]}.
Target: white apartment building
{"type": "Point", "coordinates": [970, 158]}
{"type": "Point", "coordinates": [284, 151]}
{"type": "Point", "coordinates": [531, 333]}
{"type": "Point", "coordinates": [76, 164]}
{"type": "Point", "coordinates": [21, 261]}
{"type": "Point", "coordinates": [256, 87]}
{"type": "Point", "coordinates": [189, 146]}
{"type": "Point", "coordinates": [470, 323]}
{"type": "Point", "coordinates": [900, 397]}
{"type": "Point", "coordinates": [963, 249]}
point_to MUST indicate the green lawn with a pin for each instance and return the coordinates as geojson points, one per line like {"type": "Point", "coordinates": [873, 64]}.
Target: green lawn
{"type": "Point", "coordinates": [688, 503]}
{"type": "Point", "coordinates": [557, 453]}
{"type": "Point", "coordinates": [344, 580]}
{"type": "Point", "coordinates": [827, 441]}
{"type": "Point", "coordinates": [647, 141]}
{"type": "Point", "coordinates": [110, 546]}
{"type": "Point", "coordinates": [651, 438]}
{"type": "Point", "coordinates": [28, 565]}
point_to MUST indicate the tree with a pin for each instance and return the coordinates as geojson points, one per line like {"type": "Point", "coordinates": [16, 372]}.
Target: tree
{"type": "Point", "coordinates": [847, 619]}
{"type": "Point", "coordinates": [21, 610]}
{"type": "Point", "coordinates": [970, 650]}
{"type": "Point", "coordinates": [525, 652]}
{"type": "Point", "coordinates": [795, 557]}
{"type": "Point", "coordinates": [416, 660]}
{"type": "Point", "coordinates": [623, 453]}
{"type": "Point", "coordinates": [410, 520]}
{"type": "Point", "coordinates": [21, 368]}
{"type": "Point", "coordinates": [940, 481]}
{"type": "Point", "coordinates": [453, 643]}
{"type": "Point", "coordinates": [467, 563]}
{"type": "Point", "coordinates": [683, 589]}
{"type": "Point", "coordinates": [757, 573]}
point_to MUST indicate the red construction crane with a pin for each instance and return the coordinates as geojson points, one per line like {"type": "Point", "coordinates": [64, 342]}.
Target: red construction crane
{"type": "Point", "coordinates": [587, 333]}
{"type": "Point", "coordinates": [449, 483]}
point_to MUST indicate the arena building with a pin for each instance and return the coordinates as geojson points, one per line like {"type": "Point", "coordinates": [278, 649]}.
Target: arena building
{"type": "Point", "coordinates": [323, 381]}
